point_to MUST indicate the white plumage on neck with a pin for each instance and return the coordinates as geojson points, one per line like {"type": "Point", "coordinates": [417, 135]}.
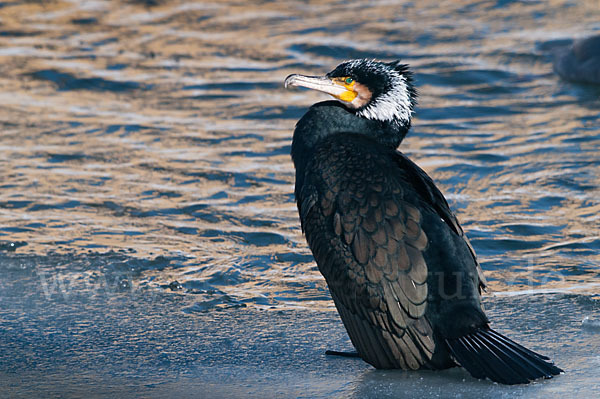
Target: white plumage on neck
{"type": "Point", "coordinates": [392, 105]}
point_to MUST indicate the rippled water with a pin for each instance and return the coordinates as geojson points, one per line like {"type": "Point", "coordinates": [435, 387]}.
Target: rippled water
{"type": "Point", "coordinates": [146, 144]}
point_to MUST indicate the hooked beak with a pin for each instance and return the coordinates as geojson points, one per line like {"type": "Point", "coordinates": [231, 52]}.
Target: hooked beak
{"type": "Point", "coordinates": [320, 83]}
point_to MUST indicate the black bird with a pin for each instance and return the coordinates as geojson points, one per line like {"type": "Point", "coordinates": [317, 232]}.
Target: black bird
{"type": "Point", "coordinates": [581, 61]}
{"type": "Point", "coordinates": [400, 270]}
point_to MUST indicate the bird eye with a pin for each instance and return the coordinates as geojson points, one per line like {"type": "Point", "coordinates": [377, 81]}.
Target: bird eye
{"type": "Point", "coordinates": [349, 81]}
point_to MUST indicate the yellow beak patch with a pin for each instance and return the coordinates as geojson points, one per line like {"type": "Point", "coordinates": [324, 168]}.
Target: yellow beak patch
{"type": "Point", "coordinates": [348, 96]}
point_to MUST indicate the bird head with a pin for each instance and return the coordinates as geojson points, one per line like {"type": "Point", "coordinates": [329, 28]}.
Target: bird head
{"type": "Point", "coordinates": [371, 89]}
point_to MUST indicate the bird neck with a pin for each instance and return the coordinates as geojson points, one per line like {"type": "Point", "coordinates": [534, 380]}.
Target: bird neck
{"type": "Point", "coordinates": [329, 118]}
{"type": "Point", "coordinates": [326, 119]}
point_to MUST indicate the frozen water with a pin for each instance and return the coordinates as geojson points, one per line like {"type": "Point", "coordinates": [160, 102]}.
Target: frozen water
{"type": "Point", "coordinates": [138, 341]}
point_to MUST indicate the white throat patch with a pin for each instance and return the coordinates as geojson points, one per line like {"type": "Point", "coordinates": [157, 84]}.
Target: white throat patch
{"type": "Point", "coordinates": [393, 105]}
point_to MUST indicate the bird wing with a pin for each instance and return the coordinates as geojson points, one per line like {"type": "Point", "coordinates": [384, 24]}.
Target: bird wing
{"type": "Point", "coordinates": [432, 196]}
{"type": "Point", "coordinates": [369, 244]}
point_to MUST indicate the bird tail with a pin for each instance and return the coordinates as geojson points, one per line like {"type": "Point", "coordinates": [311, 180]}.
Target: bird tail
{"type": "Point", "coordinates": [486, 353]}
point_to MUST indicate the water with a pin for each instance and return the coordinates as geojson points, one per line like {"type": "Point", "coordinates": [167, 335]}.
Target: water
{"type": "Point", "coordinates": [149, 241]}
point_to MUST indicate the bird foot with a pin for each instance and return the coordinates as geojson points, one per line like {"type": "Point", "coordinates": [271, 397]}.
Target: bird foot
{"type": "Point", "coordinates": [344, 354]}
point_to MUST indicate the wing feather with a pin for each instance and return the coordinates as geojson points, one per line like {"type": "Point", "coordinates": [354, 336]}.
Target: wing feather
{"type": "Point", "coordinates": [374, 260]}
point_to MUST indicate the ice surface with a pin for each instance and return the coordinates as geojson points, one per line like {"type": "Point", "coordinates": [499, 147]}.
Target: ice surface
{"type": "Point", "coordinates": [141, 342]}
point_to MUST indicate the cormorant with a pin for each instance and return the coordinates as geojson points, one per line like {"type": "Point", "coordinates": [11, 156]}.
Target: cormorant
{"type": "Point", "coordinates": [401, 272]}
{"type": "Point", "coordinates": [581, 61]}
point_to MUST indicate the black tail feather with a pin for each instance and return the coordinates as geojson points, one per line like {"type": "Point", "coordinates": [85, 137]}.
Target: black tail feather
{"type": "Point", "coordinates": [516, 346]}
{"type": "Point", "coordinates": [486, 353]}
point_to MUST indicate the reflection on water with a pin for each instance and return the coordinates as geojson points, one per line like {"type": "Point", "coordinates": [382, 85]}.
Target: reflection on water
{"type": "Point", "coordinates": [156, 135]}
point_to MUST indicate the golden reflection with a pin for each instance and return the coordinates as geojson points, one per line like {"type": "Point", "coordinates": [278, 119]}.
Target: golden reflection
{"type": "Point", "coordinates": [165, 131]}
